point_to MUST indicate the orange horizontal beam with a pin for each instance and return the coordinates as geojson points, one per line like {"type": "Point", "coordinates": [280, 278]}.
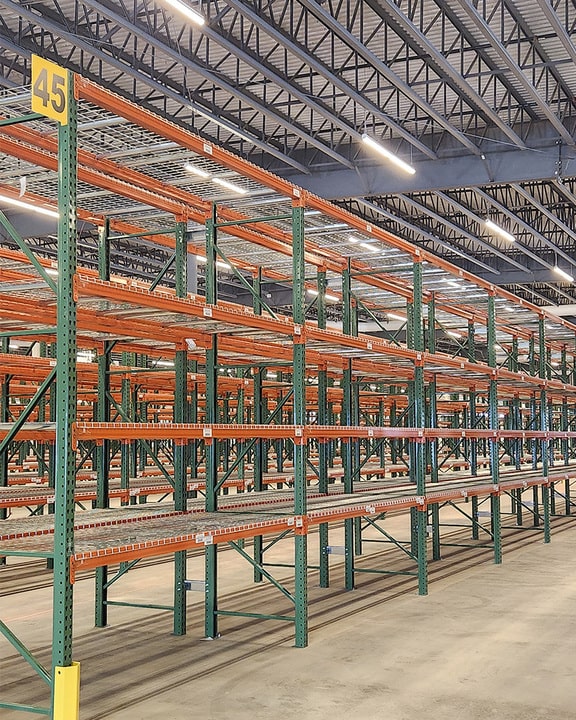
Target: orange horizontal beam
{"type": "Point", "coordinates": [169, 545]}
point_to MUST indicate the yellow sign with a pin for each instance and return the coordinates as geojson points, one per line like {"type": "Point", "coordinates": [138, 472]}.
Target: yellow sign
{"type": "Point", "coordinates": [49, 89]}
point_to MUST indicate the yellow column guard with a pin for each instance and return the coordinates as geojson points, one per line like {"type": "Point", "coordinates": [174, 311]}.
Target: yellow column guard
{"type": "Point", "coordinates": [67, 692]}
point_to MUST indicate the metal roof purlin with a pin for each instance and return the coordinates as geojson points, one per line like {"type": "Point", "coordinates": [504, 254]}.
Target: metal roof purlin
{"type": "Point", "coordinates": [306, 57]}
{"type": "Point", "coordinates": [124, 68]}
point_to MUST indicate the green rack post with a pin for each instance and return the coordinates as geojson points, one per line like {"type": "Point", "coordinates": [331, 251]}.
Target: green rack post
{"type": "Point", "coordinates": [103, 449]}
{"type": "Point", "coordinates": [66, 399]}
{"type": "Point", "coordinates": [211, 444]}
{"type": "Point", "coordinates": [493, 425]}
{"type": "Point", "coordinates": [322, 420]}
{"type": "Point", "coordinates": [180, 448]}
{"type": "Point", "coordinates": [419, 409]}
{"type": "Point", "coordinates": [544, 426]}
{"type": "Point", "coordinates": [299, 410]}
{"type": "Point", "coordinates": [433, 422]}
{"type": "Point", "coordinates": [346, 414]}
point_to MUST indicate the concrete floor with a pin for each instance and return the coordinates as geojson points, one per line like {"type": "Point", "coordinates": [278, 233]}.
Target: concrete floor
{"type": "Point", "coordinates": [488, 642]}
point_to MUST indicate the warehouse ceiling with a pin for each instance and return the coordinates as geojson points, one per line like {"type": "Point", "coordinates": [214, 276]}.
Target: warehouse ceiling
{"type": "Point", "coordinates": [478, 97]}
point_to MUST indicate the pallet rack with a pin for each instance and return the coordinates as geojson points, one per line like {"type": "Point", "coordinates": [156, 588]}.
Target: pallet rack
{"type": "Point", "coordinates": [370, 400]}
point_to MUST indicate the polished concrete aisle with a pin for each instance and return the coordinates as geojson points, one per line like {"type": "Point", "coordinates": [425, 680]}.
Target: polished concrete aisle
{"type": "Point", "coordinates": [488, 642]}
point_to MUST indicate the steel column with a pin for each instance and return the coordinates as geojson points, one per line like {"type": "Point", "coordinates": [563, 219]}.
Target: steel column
{"type": "Point", "coordinates": [66, 394]}
{"type": "Point", "coordinates": [180, 416]}
{"type": "Point", "coordinates": [433, 422]}
{"type": "Point", "coordinates": [4, 416]}
{"type": "Point", "coordinates": [211, 551]}
{"type": "Point", "coordinates": [493, 425]}
{"type": "Point", "coordinates": [544, 443]}
{"type": "Point", "coordinates": [259, 447]}
{"type": "Point", "coordinates": [103, 415]}
{"type": "Point", "coordinates": [346, 420]}
{"type": "Point", "coordinates": [417, 448]}
{"type": "Point", "coordinates": [323, 444]}
{"type": "Point", "coordinates": [299, 410]}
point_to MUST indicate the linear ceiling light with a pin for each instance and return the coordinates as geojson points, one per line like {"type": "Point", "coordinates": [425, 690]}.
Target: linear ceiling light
{"type": "Point", "coordinates": [229, 186]}
{"type": "Point", "coordinates": [499, 231]}
{"type": "Point", "coordinates": [28, 206]}
{"type": "Point", "coordinates": [196, 171]}
{"type": "Point", "coordinates": [186, 10]}
{"type": "Point", "coordinates": [387, 154]}
{"type": "Point", "coordinates": [219, 263]}
{"type": "Point", "coordinates": [393, 316]}
{"type": "Point", "coordinates": [563, 274]}
{"type": "Point", "coordinates": [327, 296]}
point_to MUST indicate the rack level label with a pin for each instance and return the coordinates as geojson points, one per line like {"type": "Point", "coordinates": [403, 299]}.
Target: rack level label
{"type": "Point", "coordinates": [49, 89]}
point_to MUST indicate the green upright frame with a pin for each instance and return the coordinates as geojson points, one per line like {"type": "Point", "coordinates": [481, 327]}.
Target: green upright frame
{"type": "Point", "coordinates": [66, 392]}
{"type": "Point", "coordinates": [299, 410]}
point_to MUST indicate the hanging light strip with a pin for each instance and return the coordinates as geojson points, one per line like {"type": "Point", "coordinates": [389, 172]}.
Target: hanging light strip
{"type": "Point", "coordinates": [387, 154]}
{"type": "Point", "coordinates": [499, 231]}
{"type": "Point", "coordinates": [563, 274]}
{"type": "Point", "coordinates": [28, 206]}
{"type": "Point", "coordinates": [186, 10]}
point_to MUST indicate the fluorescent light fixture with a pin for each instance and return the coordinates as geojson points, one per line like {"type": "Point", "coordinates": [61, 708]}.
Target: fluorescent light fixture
{"type": "Point", "coordinates": [51, 271]}
{"type": "Point", "coordinates": [229, 186]}
{"type": "Point", "coordinates": [499, 231]}
{"type": "Point", "coordinates": [387, 154]}
{"type": "Point", "coordinates": [370, 246]}
{"type": "Point", "coordinates": [453, 333]}
{"type": "Point", "coordinates": [563, 274]}
{"type": "Point", "coordinates": [353, 239]}
{"type": "Point", "coordinates": [328, 296]}
{"type": "Point", "coordinates": [455, 284]}
{"type": "Point", "coordinates": [28, 206]}
{"type": "Point", "coordinates": [309, 213]}
{"type": "Point", "coordinates": [164, 363]}
{"type": "Point", "coordinates": [187, 11]}
{"type": "Point", "coordinates": [196, 171]}
{"type": "Point", "coordinates": [393, 316]}
{"type": "Point", "coordinates": [219, 263]}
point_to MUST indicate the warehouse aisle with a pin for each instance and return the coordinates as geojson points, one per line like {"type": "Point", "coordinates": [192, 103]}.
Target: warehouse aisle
{"type": "Point", "coordinates": [488, 642]}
